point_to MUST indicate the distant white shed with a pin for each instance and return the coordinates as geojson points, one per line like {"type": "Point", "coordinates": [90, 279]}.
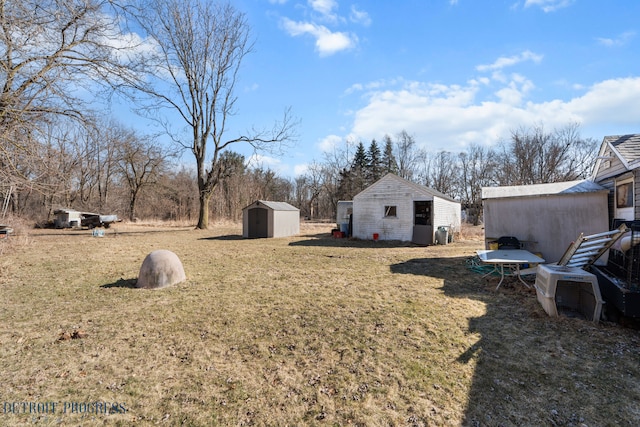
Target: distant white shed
{"type": "Point", "coordinates": [67, 218]}
{"type": "Point", "coordinates": [264, 218]}
{"type": "Point", "coordinates": [394, 208]}
{"type": "Point", "coordinates": [547, 217]}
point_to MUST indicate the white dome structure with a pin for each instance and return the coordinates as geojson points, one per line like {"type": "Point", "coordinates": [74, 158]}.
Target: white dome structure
{"type": "Point", "coordinates": [159, 269]}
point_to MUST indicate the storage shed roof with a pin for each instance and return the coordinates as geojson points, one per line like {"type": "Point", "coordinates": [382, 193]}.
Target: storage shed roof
{"type": "Point", "coordinates": [276, 206]}
{"type": "Point", "coordinates": [421, 189]}
{"type": "Point", "coordinates": [555, 188]}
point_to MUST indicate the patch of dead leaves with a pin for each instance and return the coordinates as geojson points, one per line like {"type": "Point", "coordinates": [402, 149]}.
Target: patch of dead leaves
{"type": "Point", "coordinates": [73, 335]}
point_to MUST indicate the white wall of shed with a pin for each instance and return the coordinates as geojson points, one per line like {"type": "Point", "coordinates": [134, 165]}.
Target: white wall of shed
{"type": "Point", "coordinates": [368, 216]}
{"type": "Point", "coordinates": [284, 223]}
{"type": "Point", "coordinates": [63, 220]}
{"type": "Point", "coordinates": [446, 213]}
{"type": "Point", "coordinates": [552, 222]}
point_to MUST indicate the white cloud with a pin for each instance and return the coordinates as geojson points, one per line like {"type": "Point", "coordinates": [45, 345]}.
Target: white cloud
{"type": "Point", "coordinates": [329, 143]}
{"type": "Point", "coordinates": [251, 88]}
{"type": "Point", "coordinates": [374, 85]}
{"type": "Point", "coordinates": [356, 87]}
{"type": "Point", "coordinates": [324, 7]}
{"type": "Point", "coordinates": [548, 5]}
{"type": "Point", "coordinates": [266, 162]}
{"type": "Point", "coordinates": [359, 16]}
{"type": "Point", "coordinates": [449, 117]}
{"type": "Point", "coordinates": [515, 90]}
{"type": "Point", "coordinates": [610, 101]}
{"type": "Point", "coordinates": [300, 169]}
{"type": "Point", "coordinates": [621, 40]}
{"type": "Point", "coordinates": [510, 61]}
{"type": "Point", "coordinates": [325, 11]}
{"type": "Point", "coordinates": [327, 42]}
{"type": "Point", "coordinates": [128, 46]}
{"type": "Point", "coordinates": [321, 19]}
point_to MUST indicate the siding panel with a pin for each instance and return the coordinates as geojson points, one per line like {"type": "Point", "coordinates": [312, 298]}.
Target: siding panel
{"type": "Point", "coordinates": [615, 167]}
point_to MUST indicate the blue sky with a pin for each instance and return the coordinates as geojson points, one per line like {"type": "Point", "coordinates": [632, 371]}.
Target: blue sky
{"type": "Point", "coordinates": [449, 72]}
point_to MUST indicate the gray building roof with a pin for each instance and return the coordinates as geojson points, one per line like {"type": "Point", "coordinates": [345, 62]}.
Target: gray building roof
{"type": "Point", "coordinates": [276, 206]}
{"type": "Point", "coordinates": [618, 154]}
{"type": "Point", "coordinates": [626, 146]}
{"type": "Point", "coordinates": [554, 188]}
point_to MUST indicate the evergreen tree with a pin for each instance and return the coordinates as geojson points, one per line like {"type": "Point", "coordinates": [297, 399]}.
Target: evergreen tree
{"type": "Point", "coordinates": [345, 187]}
{"type": "Point", "coordinates": [353, 179]}
{"type": "Point", "coordinates": [389, 163]}
{"type": "Point", "coordinates": [375, 168]}
{"type": "Point", "coordinates": [359, 169]}
{"type": "Point", "coordinates": [360, 160]}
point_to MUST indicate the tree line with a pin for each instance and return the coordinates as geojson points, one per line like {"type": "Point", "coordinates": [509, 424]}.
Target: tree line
{"type": "Point", "coordinates": [531, 155]}
{"type": "Point", "coordinates": [58, 56]}
{"type": "Point", "coordinates": [179, 69]}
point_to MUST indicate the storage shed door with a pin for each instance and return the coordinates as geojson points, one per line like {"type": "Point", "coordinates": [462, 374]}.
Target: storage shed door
{"type": "Point", "coordinates": [258, 226]}
{"type": "Point", "coordinates": [422, 222]}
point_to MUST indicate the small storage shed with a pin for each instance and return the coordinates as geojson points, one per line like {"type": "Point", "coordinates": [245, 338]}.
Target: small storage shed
{"type": "Point", "coordinates": [67, 218]}
{"type": "Point", "coordinates": [264, 218]}
{"type": "Point", "coordinates": [546, 217]}
{"type": "Point", "coordinates": [394, 208]}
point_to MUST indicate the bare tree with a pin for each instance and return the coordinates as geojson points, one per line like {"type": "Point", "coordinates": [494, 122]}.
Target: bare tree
{"type": "Point", "coordinates": [312, 185]}
{"type": "Point", "coordinates": [477, 170]}
{"type": "Point", "coordinates": [141, 163]}
{"type": "Point", "coordinates": [180, 195]}
{"type": "Point", "coordinates": [200, 47]}
{"type": "Point", "coordinates": [59, 164]}
{"type": "Point", "coordinates": [336, 163]}
{"type": "Point", "coordinates": [535, 156]}
{"type": "Point", "coordinates": [49, 51]}
{"type": "Point", "coordinates": [233, 185]}
{"type": "Point", "coordinates": [582, 151]}
{"type": "Point", "coordinates": [441, 173]}
{"type": "Point", "coordinates": [407, 155]}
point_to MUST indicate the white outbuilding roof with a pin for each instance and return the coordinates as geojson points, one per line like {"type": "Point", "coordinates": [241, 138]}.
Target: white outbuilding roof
{"type": "Point", "coordinates": [554, 188]}
{"type": "Point", "coordinates": [276, 206]}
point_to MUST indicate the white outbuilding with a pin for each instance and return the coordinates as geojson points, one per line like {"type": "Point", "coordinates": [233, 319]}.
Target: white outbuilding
{"type": "Point", "coordinates": [394, 208]}
{"type": "Point", "coordinates": [265, 218]}
{"type": "Point", "coordinates": [67, 218]}
{"type": "Point", "coordinates": [546, 218]}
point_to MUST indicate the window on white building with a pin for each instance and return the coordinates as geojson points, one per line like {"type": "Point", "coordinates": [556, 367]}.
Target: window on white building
{"type": "Point", "coordinates": [390, 211]}
{"type": "Point", "coordinates": [624, 195]}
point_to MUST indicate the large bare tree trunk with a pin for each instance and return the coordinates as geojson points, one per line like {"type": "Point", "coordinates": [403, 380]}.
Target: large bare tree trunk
{"type": "Point", "coordinates": [132, 206]}
{"type": "Point", "coordinates": [203, 214]}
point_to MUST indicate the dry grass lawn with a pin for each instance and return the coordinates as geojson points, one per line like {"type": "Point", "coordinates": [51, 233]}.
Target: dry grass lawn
{"type": "Point", "coordinates": [307, 330]}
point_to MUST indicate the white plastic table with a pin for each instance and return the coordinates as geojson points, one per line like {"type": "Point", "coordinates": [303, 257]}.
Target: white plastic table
{"type": "Point", "coordinates": [512, 257]}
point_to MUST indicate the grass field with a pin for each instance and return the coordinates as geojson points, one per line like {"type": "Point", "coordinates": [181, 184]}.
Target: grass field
{"type": "Point", "coordinates": [307, 330]}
